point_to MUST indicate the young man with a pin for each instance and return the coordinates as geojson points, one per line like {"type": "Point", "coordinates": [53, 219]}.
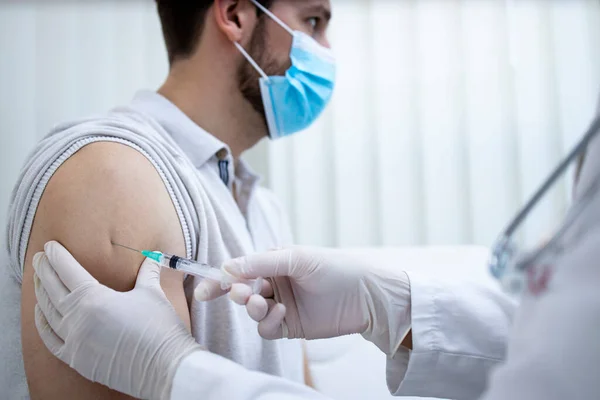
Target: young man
{"type": "Point", "coordinates": [164, 173]}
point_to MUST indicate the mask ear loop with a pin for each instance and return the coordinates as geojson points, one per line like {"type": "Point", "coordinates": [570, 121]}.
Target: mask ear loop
{"type": "Point", "coordinates": [251, 61]}
{"type": "Point", "coordinates": [273, 16]}
{"type": "Point", "coordinates": [268, 111]}
{"type": "Point", "coordinates": [245, 53]}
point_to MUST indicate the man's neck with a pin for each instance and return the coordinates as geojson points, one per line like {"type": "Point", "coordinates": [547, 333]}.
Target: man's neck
{"type": "Point", "coordinates": [215, 106]}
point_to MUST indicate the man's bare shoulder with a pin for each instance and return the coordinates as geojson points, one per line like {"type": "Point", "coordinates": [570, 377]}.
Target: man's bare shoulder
{"type": "Point", "coordinates": [107, 192]}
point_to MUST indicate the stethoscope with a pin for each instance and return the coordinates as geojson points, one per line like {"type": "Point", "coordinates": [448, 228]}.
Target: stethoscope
{"type": "Point", "coordinates": [507, 263]}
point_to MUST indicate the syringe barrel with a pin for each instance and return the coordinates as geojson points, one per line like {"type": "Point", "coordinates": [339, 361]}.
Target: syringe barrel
{"type": "Point", "coordinates": [207, 272]}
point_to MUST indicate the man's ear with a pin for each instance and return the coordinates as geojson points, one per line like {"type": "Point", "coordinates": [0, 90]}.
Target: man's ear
{"type": "Point", "coordinates": [235, 18]}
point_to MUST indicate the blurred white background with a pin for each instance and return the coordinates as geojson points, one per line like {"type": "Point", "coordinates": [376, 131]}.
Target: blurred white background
{"type": "Point", "coordinates": [447, 114]}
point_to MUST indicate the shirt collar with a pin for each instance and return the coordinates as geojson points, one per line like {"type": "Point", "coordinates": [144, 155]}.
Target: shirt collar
{"type": "Point", "coordinates": [246, 174]}
{"type": "Point", "coordinates": [198, 145]}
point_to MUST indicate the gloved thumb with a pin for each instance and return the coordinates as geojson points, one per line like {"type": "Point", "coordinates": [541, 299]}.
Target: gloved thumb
{"type": "Point", "coordinates": [149, 274]}
{"type": "Point", "coordinates": [266, 265]}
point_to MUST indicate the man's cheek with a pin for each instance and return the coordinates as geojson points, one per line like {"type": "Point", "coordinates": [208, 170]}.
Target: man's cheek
{"type": "Point", "coordinates": [277, 62]}
{"type": "Point", "coordinates": [280, 43]}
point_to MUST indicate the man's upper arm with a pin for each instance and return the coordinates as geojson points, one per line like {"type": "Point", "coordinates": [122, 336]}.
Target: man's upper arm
{"type": "Point", "coordinates": [106, 192]}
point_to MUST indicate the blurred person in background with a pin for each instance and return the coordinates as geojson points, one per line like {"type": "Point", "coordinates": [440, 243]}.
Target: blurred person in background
{"type": "Point", "coordinates": [164, 173]}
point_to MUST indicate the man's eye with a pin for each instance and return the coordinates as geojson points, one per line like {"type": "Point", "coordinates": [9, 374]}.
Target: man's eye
{"type": "Point", "coordinates": [314, 21]}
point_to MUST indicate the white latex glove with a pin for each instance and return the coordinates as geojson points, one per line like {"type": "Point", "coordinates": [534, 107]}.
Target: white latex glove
{"type": "Point", "coordinates": [132, 342]}
{"type": "Point", "coordinates": [317, 293]}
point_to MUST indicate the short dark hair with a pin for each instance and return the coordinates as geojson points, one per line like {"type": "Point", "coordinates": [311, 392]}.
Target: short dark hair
{"type": "Point", "coordinates": [182, 24]}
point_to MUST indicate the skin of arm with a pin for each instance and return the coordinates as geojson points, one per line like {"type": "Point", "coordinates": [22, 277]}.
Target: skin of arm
{"type": "Point", "coordinates": [407, 342]}
{"type": "Point", "coordinates": [106, 192]}
{"type": "Point", "coordinates": [308, 379]}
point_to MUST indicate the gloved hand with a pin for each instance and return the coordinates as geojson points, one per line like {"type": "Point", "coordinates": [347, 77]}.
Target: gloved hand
{"type": "Point", "coordinates": [316, 293]}
{"type": "Point", "coordinates": [132, 342]}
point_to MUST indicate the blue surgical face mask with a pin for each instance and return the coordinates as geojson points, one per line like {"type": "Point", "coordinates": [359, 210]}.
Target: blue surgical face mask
{"type": "Point", "coordinates": [294, 101]}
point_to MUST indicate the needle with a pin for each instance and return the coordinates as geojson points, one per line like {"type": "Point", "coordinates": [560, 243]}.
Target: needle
{"type": "Point", "coordinates": [125, 247]}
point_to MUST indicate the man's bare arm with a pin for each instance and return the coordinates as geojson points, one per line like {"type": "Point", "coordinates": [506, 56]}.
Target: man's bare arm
{"type": "Point", "coordinates": [105, 193]}
{"type": "Point", "coordinates": [308, 379]}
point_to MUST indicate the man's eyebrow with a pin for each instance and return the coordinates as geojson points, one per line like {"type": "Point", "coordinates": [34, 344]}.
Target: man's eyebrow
{"type": "Point", "coordinates": [321, 9]}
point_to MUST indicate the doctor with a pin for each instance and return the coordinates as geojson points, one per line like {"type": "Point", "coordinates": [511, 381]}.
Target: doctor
{"type": "Point", "coordinates": [442, 340]}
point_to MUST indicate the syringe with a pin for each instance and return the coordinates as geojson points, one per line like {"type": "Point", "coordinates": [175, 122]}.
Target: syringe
{"type": "Point", "coordinates": [196, 268]}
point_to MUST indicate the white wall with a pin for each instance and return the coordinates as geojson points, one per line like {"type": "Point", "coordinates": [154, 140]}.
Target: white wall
{"type": "Point", "coordinates": [447, 113]}
{"type": "Point", "coordinates": [65, 59]}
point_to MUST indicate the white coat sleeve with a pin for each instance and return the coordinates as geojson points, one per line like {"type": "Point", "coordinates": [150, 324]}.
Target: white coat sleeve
{"type": "Point", "coordinates": [207, 376]}
{"type": "Point", "coordinates": [459, 333]}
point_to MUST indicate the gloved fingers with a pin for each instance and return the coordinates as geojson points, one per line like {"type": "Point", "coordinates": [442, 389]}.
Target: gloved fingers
{"type": "Point", "coordinates": [271, 303]}
{"type": "Point", "coordinates": [70, 272]}
{"type": "Point", "coordinates": [44, 304]}
{"type": "Point", "coordinates": [54, 343]}
{"type": "Point", "coordinates": [149, 274]}
{"type": "Point", "coordinates": [265, 265]}
{"type": "Point", "coordinates": [240, 293]}
{"type": "Point", "coordinates": [267, 289]}
{"type": "Point", "coordinates": [270, 327]}
{"type": "Point", "coordinates": [208, 290]}
{"type": "Point", "coordinates": [49, 280]}
{"type": "Point", "coordinates": [257, 307]}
